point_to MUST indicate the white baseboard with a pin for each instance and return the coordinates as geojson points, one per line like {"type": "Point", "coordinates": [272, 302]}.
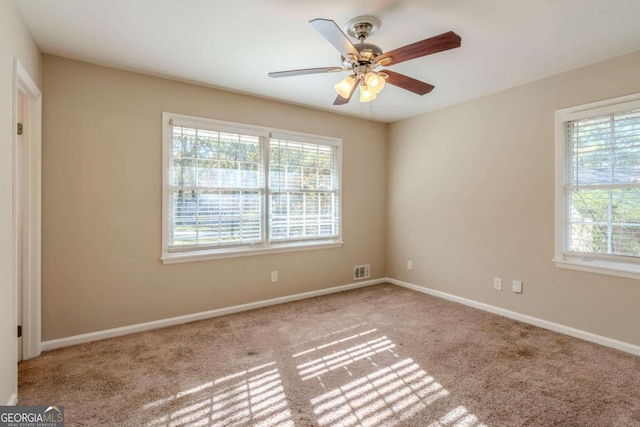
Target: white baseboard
{"type": "Point", "coordinates": [13, 400]}
{"type": "Point", "coordinates": [125, 330]}
{"type": "Point", "coordinates": [556, 327]}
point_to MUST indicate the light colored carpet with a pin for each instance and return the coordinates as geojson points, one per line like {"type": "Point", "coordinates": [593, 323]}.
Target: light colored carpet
{"type": "Point", "coordinates": [377, 356]}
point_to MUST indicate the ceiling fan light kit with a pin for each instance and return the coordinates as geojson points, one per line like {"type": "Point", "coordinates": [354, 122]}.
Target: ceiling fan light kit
{"type": "Point", "coordinates": [371, 85]}
{"type": "Point", "coordinates": [362, 59]}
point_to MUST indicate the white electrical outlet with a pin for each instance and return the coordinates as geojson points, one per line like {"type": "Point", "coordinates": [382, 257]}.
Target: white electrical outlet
{"type": "Point", "coordinates": [409, 264]}
{"type": "Point", "coordinates": [274, 276]}
{"type": "Point", "coordinates": [497, 283]}
{"type": "Point", "coordinates": [517, 286]}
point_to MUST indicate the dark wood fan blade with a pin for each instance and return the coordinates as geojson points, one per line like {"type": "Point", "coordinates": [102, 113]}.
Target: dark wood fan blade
{"type": "Point", "coordinates": [341, 101]}
{"type": "Point", "coordinates": [425, 47]}
{"type": "Point", "coordinates": [306, 71]}
{"type": "Point", "coordinates": [334, 35]}
{"type": "Point", "coordinates": [408, 83]}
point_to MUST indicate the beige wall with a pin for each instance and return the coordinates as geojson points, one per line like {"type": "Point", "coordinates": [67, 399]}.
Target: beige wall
{"type": "Point", "coordinates": [102, 202]}
{"type": "Point", "coordinates": [15, 42]}
{"type": "Point", "coordinates": [471, 196]}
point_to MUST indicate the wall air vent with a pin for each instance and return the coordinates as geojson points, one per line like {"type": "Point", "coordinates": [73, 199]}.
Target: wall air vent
{"type": "Point", "coordinates": [361, 272]}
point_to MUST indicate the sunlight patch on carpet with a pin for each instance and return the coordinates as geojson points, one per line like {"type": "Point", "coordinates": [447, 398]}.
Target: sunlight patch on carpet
{"type": "Point", "coordinates": [336, 341]}
{"type": "Point", "coordinates": [254, 396]}
{"type": "Point", "coordinates": [389, 395]}
{"type": "Point", "coordinates": [458, 417]}
{"type": "Point", "coordinates": [370, 384]}
{"type": "Point", "coordinates": [342, 358]}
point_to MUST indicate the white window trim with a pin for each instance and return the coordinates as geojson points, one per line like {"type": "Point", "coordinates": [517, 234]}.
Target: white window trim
{"type": "Point", "coordinates": [261, 249]}
{"type": "Point", "coordinates": [579, 262]}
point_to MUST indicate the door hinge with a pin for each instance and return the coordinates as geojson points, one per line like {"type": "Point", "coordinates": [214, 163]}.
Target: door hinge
{"type": "Point", "coordinates": [19, 128]}
{"type": "Point", "coordinates": [19, 331]}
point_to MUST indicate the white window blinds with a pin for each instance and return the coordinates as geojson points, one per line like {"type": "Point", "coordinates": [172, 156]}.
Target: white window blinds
{"type": "Point", "coordinates": [215, 189]}
{"type": "Point", "coordinates": [304, 189]}
{"type": "Point", "coordinates": [233, 189]}
{"type": "Point", "coordinates": [602, 185]}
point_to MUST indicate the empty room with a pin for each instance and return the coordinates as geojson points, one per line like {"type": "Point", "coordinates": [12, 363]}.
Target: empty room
{"type": "Point", "coordinates": [322, 213]}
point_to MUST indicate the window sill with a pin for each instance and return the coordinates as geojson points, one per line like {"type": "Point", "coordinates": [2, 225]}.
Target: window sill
{"type": "Point", "coordinates": [629, 271]}
{"type": "Point", "coordinates": [179, 257]}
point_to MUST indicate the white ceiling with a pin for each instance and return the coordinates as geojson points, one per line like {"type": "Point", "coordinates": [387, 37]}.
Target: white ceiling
{"type": "Point", "coordinates": [234, 44]}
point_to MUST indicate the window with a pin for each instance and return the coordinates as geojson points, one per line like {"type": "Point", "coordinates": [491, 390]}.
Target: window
{"type": "Point", "coordinates": [598, 187]}
{"type": "Point", "coordinates": [233, 190]}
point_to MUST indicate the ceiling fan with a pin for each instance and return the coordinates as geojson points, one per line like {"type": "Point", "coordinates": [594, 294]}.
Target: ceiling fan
{"type": "Point", "coordinates": [363, 59]}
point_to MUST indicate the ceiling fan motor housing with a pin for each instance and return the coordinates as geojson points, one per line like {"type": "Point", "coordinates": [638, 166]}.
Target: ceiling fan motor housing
{"type": "Point", "coordinates": [360, 28]}
{"type": "Point", "coordinates": [368, 53]}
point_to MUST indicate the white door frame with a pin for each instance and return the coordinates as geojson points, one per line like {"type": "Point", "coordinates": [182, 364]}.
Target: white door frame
{"type": "Point", "coordinates": [32, 149]}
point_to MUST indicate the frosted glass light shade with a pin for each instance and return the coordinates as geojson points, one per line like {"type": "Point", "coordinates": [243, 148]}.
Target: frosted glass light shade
{"type": "Point", "coordinates": [366, 95]}
{"type": "Point", "coordinates": [345, 87]}
{"type": "Point", "coordinates": [375, 82]}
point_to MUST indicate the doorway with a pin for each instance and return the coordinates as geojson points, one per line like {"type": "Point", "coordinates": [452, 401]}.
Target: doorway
{"type": "Point", "coordinates": [27, 170]}
{"type": "Point", "coordinates": [19, 184]}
